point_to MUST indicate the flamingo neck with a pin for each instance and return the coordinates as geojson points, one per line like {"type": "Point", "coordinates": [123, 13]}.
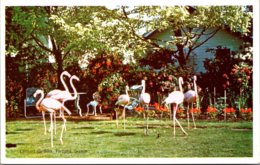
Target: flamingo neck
{"type": "Point", "coordinates": [63, 82]}
{"type": "Point", "coordinates": [195, 87]}
{"type": "Point", "coordinates": [180, 82]}
{"type": "Point", "coordinates": [74, 89]}
{"type": "Point", "coordinates": [126, 91]}
{"type": "Point", "coordinates": [37, 105]}
{"type": "Point", "coordinates": [143, 90]}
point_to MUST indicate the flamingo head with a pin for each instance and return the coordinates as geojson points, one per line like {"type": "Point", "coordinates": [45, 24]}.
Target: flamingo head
{"type": "Point", "coordinates": [143, 82]}
{"type": "Point", "coordinates": [75, 77]}
{"type": "Point", "coordinates": [66, 73]}
{"type": "Point", "coordinates": [127, 87]}
{"type": "Point", "coordinates": [181, 80]}
{"type": "Point", "coordinates": [195, 77]}
{"type": "Point", "coordinates": [38, 91]}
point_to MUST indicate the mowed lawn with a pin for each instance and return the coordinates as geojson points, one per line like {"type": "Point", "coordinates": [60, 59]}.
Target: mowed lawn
{"type": "Point", "coordinates": [100, 139]}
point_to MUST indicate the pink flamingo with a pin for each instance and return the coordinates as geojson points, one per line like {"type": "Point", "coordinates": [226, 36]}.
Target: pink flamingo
{"type": "Point", "coordinates": [145, 99]}
{"type": "Point", "coordinates": [57, 91]}
{"type": "Point", "coordinates": [65, 96]}
{"type": "Point", "coordinates": [74, 77]}
{"type": "Point", "coordinates": [190, 97]}
{"type": "Point", "coordinates": [58, 94]}
{"type": "Point", "coordinates": [176, 98]}
{"type": "Point", "coordinates": [49, 105]}
{"type": "Point", "coordinates": [123, 100]}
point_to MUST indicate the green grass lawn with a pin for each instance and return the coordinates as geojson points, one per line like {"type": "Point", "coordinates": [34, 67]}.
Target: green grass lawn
{"type": "Point", "coordinates": [100, 139]}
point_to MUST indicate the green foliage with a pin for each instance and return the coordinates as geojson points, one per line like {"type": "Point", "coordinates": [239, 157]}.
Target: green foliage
{"type": "Point", "coordinates": [234, 74]}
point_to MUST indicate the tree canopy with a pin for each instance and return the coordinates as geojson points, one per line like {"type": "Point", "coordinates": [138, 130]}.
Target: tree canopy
{"type": "Point", "coordinates": [72, 34]}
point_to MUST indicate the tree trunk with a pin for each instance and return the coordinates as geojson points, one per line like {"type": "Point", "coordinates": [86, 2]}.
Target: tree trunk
{"type": "Point", "coordinates": [59, 61]}
{"type": "Point", "coordinates": [180, 56]}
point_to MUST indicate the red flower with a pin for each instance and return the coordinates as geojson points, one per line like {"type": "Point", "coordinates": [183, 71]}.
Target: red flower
{"type": "Point", "coordinates": [164, 109]}
{"type": "Point", "coordinates": [229, 110]}
{"type": "Point", "coordinates": [248, 110]}
{"type": "Point", "coordinates": [195, 110]}
{"type": "Point", "coordinates": [139, 109]}
{"type": "Point", "coordinates": [211, 109]}
{"type": "Point", "coordinates": [179, 110]}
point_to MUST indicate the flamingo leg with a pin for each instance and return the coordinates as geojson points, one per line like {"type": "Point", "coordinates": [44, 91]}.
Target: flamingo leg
{"type": "Point", "coordinates": [193, 118]}
{"type": "Point", "coordinates": [124, 116]}
{"type": "Point", "coordinates": [147, 118]}
{"type": "Point", "coordinates": [144, 122]}
{"type": "Point", "coordinates": [63, 128]}
{"type": "Point", "coordinates": [116, 120]}
{"type": "Point", "coordinates": [44, 122]}
{"type": "Point", "coordinates": [175, 119]}
{"type": "Point", "coordinates": [170, 111]}
{"type": "Point", "coordinates": [146, 131]}
{"type": "Point", "coordinates": [51, 126]}
{"type": "Point", "coordinates": [60, 113]}
{"type": "Point", "coordinates": [188, 115]}
{"type": "Point", "coordinates": [54, 118]}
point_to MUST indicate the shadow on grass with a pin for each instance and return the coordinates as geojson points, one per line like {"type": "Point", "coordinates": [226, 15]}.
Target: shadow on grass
{"type": "Point", "coordinates": [24, 129]}
{"type": "Point", "coordinates": [11, 132]}
{"type": "Point", "coordinates": [10, 145]}
{"type": "Point", "coordinates": [79, 133]}
{"type": "Point", "coordinates": [125, 134]}
{"type": "Point", "coordinates": [241, 129]}
{"type": "Point", "coordinates": [85, 127]}
{"type": "Point", "coordinates": [100, 132]}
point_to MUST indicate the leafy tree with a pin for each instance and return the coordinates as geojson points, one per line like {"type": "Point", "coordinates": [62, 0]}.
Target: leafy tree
{"type": "Point", "coordinates": [188, 25]}
{"type": "Point", "coordinates": [72, 33]}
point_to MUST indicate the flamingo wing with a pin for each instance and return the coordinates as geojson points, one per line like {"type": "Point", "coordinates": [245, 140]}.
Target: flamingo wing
{"type": "Point", "coordinates": [62, 95]}
{"type": "Point", "coordinates": [53, 104]}
{"type": "Point", "coordinates": [145, 98]}
{"type": "Point", "coordinates": [175, 97]}
{"type": "Point", "coordinates": [123, 100]}
{"type": "Point", "coordinates": [190, 96]}
{"type": "Point", "coordinates": [53, 92]}
{"type": "Point", "coordinates": [49, 103]}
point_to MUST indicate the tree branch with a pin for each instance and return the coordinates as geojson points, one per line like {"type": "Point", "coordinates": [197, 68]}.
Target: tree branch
{"type": "Point", "coordinates": [40, 44]}
{"type": "Point", "coordinates": [134, 33]}
{"type": "Point", "coordinates": [66, 54]}
{"type": "Point", "coordinates": [212, 34]}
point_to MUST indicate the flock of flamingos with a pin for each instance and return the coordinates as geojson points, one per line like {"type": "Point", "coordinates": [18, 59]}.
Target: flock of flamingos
{"type": "Point", "coordinates": [55, 99]}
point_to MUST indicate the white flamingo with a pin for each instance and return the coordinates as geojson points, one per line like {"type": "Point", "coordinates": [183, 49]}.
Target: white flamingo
{"type": "Point", "coordinates": [123, 100]}
{"type": "Point", "coordinates": [94, 104]}
{"type": "Point", "coordinates": [176, 98]}
{"type": "Point", "coordinates": [145, 99]}
{"type": "Point", "coordinates": [49, 105]}
{"type": "Point", "coordinates": [190, 97]}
